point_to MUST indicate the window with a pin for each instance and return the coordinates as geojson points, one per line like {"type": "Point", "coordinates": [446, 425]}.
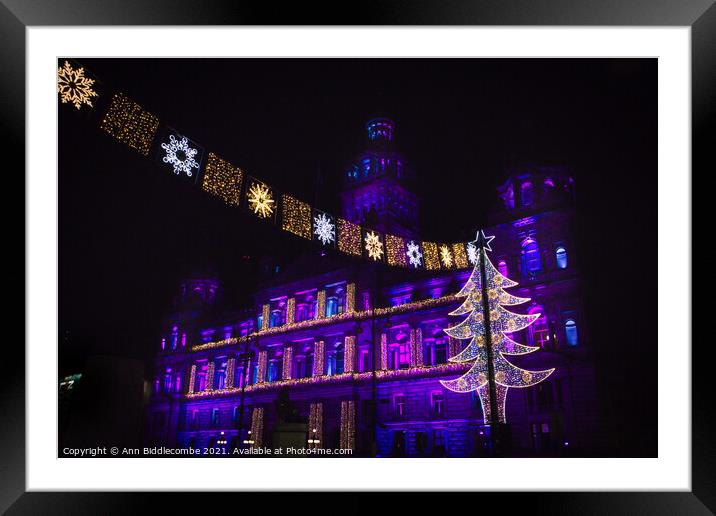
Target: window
{"type": "Point", "coordinates": [364, 363]}
{"type": "Point", "coordinates": [527, 194]}
{"type": "Point", "coordinates": [539, 331]}
{"type": "Point", "coordinates": [531, 263]}
{"type": "Point", "coordinates": [235, 415]}
{"type": "Point", "coordinates": [215, 417]}
{"type": "Point", "coordinates": [561, 255]}
{"type": "Point", "coordinates": [570, 332]}
{"type": "Point", "coordinates": [440, 352]}
{"type": "Point", "coordinates": [272, 373]}
{"type": "Point", "coordinates": [502, 267]}
{"type": "Point", "coordinates": [175, 336]}
{"type": "Point", "coordinates": [301, 312]}
{"type": "Point", "coordinates": [438, 403]}
{"type": "Point", "coordinates": [255, 374]}
{"type": "Point", "coordinates": [275, 319]}
{"type": "Point", "coordinates": [194, 419]}
{"type": "Point", "coordinates": [201, 381]}
{"type": "Point", "coordinates": [220, 379]}
{"type": "Point", "coordinates": [340, 355]}
{"type": "Point", "coordinates": [260, 321]}
{"type": "Point", "coordinates": [399, 405]}
{"type": "Point", "coordinates": [331, 306]}
{"type": "Point", "coordinates": [168, 381]}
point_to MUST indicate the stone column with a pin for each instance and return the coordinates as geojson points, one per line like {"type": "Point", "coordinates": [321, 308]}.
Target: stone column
{"type": "Point", "coordinates": [230, 372]}
{"type": "Point", "coordinates": [318, 357]}
{"type": "Point", "coordinates": [348, 421]}
{"type": "Point", "coordinates": [263, 358]}
{"type": "Point", "coordinates": [321, 304]}
{"type": "Point", "coordinates": [291, 310]}
{"type": "Point", "coordinates": [287, 363]}
{"type": "Point", "coordinates": [192, 378]}
{"type": "Point", "coordinates": [384, 351]}
{"type": "Point", "coordinates": [210, 375]}
{"type": "Point", "coordinates": [351, 297]}
{"type": "Point", "coordinates": [265, 315]}
{"type": "Point", "coordinates": [349, 355]}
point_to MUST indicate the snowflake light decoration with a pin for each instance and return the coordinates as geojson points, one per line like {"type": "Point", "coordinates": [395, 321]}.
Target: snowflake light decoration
{"type": "Point", "coordinates": [324, 229]}
{"type": "Point", "coordinates": [260, 200]}
{"type": "Point", "coordinates": [446, 256]}
{"type": "Point", "coordinates": [415, 257]}
{"type": "Point", "coordinates": [74, 87]}
{"type": "Point", "coordinates": [180, 155]}
{"type": "Point", "coordinates": [472, 253]}
{"type": "Point", "coordinates": [373, 246]}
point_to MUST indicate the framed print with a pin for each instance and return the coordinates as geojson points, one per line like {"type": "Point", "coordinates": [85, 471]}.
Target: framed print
{"type": "Point", "coordinates": [447, 249]}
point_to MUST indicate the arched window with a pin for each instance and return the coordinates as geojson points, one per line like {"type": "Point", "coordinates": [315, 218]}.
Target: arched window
{"type": "Point", "coordinates": [531, 263]}
{"type": "Point", "coordinates": [570, 332]}
{"type": "Point", "coordinates": [502, 267]}
{"type": "Point", "coordinates": [527, 194]}
{"type": "Point", "coordinates": [272, 371]}
{"type": "Point", "coordinates": [561, 255]}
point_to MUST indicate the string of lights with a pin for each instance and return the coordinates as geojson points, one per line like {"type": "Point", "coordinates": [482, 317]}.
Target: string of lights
{"type": "Point", "coordinates": [311, 323]}
{"type": "Point", "coordinates": [130, 124]}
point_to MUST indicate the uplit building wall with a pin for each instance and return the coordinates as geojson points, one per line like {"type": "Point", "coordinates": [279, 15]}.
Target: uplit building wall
{"type": "Point", "coordinates": [360, 349]}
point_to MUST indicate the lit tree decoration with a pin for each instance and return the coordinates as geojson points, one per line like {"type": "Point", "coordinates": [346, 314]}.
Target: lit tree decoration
{"type": "Point", "coordinates": [180, 155]}
{"type": "Point", "coordinates": [488, 321]}
{"type": "Point", "coordinates": [260, 200]}
{"type": "Point", "coordinates": [74, 87]}
{"type": "Point", "coordinates": [324, 229]}
{"type": "Point", "coordinates": [471, 253]}
{"type": "Point", "coordinates": [415, 257]}
{"type": "Point", "coordinates": [373, 245]}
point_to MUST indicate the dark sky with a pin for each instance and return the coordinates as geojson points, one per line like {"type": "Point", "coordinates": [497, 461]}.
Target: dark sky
{"type": "Point", "coordinates": [129, 231]}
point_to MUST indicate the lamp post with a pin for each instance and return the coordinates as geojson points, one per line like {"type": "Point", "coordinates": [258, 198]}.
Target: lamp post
{"type": "Point", "coordinates": [244, 357]}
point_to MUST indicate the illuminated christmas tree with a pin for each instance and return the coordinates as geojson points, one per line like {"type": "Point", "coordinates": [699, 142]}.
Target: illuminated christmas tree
{"type": "Point", "coordinates": [491, 374]}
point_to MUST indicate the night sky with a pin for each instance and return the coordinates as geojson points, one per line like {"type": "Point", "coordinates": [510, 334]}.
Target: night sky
{"type": "Point", "coordinates": [129, 232]}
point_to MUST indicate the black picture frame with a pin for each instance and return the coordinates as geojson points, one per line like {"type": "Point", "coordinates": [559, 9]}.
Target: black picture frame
{"type": "Point", "coordinates": [17, 15]}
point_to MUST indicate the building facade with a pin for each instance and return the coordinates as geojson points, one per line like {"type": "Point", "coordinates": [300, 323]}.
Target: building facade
{"type": "Point", "coordinates": [348, 354]}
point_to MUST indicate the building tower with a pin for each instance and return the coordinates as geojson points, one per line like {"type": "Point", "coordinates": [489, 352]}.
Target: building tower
{"type": "Point", "coordinates": [378, 187]}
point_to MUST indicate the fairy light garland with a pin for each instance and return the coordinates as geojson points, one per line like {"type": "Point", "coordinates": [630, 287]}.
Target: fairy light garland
{"type": "Point", "coordinates": [460, 256]}
{"type": "Point", "coordinates": [346, 316]}
{"type": "Point", "coordinates": [257, 427]}
{"type": "Point", "coordinates": [395, 251]}
{"type": "Point", "coordinates": [413, 349]}
{"type": "Point", "coordinates": [287, 365]}
{"type": "Point", "coordinates": [210, 376]}
{"type": "Point", "coordinates": [291, 310]}
{"type": "Point", "coordinates": [265, 314]}
{"type": "Point", "coordinates": [230, 372]}
{"type": "Point", "coordinates": [192, 378]}
{"type": "Point", "coordinates": [296, 217]}
{"type": "Point", "coordinates": [223, 180]}
{"type": "Point", "coordinates": [263, 361]}
{"type": "Point", "coordinates": [431, 258]}
{"type": "Point", "coordinates": [381, 375]}
{"type": "Point", "coordinates": [349, 238]}
{"type": "Point", "coordinates": [348, 415]}
{"type": "Point", "coordinates": [318, 358]}
{"type": "Point", "coordinates": [127, 122]}
{"type": "Point", "coordinates": [321, 304]}
{"type": "Point", "coordinates": [130, 124]}
{"type": "Point", "coordinates": [315, 426]}
{"type": "Point", "coordinates": [349, 354]}
{"type": "Point", "coordinates": [383, 351]}
{"type": "Point", "coordinates": [419, 354]}
{"type": "Point", "coordinates": [351, 298]}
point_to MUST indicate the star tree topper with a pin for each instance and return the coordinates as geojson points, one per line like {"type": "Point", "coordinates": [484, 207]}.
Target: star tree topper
{"type": "Point", "coordinates": [502, 323]}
